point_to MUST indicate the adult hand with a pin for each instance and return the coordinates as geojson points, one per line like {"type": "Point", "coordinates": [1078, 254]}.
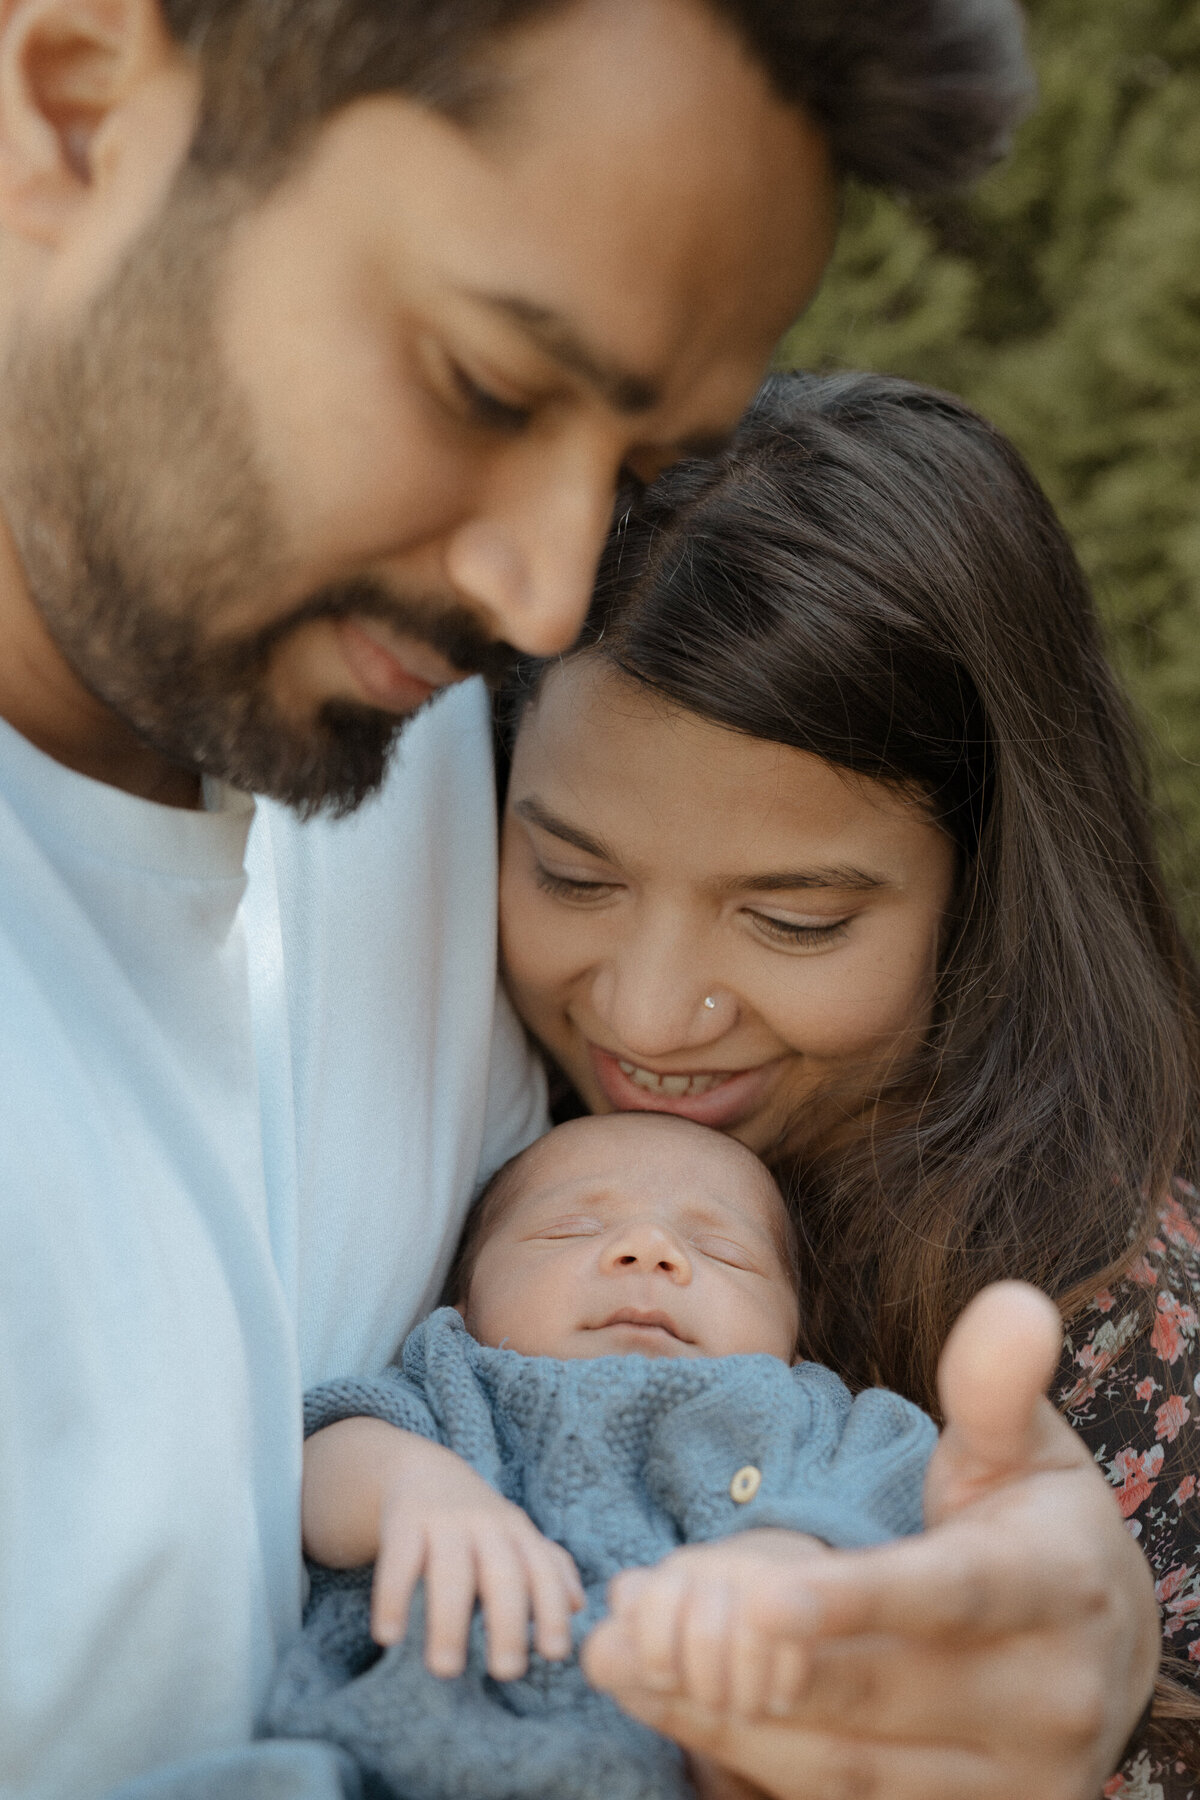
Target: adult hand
{"type": "Point", "coordinates": [691, 1617]}
{"type": "Point", "coordinates": [1009, 1649]}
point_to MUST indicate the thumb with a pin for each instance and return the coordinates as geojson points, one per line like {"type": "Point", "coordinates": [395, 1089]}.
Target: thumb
{"type": "Point", "coordinates": [995, 1368]}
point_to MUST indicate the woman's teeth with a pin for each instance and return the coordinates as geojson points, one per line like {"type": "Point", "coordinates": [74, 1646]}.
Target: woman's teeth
{"type": "Point", "coordinates": [675, 1085]}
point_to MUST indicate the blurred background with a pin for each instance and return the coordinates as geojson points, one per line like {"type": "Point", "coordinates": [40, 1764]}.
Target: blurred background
{"type": "Point", "coordinates": [1062, 298]}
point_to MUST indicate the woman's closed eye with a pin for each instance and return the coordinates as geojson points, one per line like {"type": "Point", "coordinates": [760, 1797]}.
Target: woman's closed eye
{"type": "Point", "coordinates": [797, 933]}
{"type": "Point", "coordinates": [572, 887]}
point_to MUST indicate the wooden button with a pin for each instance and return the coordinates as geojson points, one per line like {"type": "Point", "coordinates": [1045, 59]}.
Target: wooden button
{"type": "Point", "coordinates": [745, 1484]}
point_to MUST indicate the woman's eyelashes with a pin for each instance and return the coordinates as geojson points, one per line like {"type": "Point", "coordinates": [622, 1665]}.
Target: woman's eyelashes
{"type": "Point", "coordinates": [785, 934]}
{"type": "Point", "coordinates": [571, 887]}
{"type": "Point", "coordinates": [792, 933]}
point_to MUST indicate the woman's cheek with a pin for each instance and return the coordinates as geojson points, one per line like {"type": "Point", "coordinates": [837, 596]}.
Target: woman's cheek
{"type": "Point", "coordinates": [543, 962]}
{"type": "Point", "coordinates": [848, 1007]}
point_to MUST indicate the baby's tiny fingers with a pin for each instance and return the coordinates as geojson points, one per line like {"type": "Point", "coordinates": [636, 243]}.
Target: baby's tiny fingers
{"type": "Point", "coordinates": [554, 1600]}
{"type": "Point", "coordinates": [397, 1571]}
{"type": "Point", "coordinates": [654, 1618]}
{"type": "Point", "coordinates": [504, 1593]}
{"type": "Point", "coordinates": [789, 1677]}
{"type": "Point", "coordinates": [751, 1666]}
{"type": "Point", "coordinates": [451, 1584]}
{"type": "Point", "coordinates": [705, 1632]}
{"type": "Point", "coordinates": [572, 1580]}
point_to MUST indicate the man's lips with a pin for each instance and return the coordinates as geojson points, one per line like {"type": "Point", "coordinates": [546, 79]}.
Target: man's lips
{"type": "Point", "coordinates": [717, 1097]}
{"type": "Point", "coordinates": [393, 672]}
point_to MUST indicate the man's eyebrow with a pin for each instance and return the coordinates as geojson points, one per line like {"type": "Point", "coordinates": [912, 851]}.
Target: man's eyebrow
{"type": "Point", "coordinates": [778, 881]}
{"type": "Point", "coordinates": [625, 390]}
{"type": "Point", "coordinates": [540, 815]}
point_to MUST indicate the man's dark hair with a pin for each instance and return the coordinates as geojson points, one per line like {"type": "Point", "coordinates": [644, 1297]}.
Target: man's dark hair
{"type": "Point", "coordinates": [914, 95]}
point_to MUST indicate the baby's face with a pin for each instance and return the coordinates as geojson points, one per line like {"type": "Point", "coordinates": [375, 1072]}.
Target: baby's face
{"type": "Point", "coordinates": [637, 1233]}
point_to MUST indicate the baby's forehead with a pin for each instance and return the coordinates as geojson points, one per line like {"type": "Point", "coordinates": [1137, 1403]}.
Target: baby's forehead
{"type": "Point", "coordinates": [623, 1159]}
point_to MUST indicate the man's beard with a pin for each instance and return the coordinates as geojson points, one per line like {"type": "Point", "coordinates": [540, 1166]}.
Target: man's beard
{"type": "Point", "coordinates": [130, 483]}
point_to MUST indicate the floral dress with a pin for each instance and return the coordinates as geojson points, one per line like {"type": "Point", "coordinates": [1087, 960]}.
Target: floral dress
{"type": "Point", "coordinates": [1130, 1386]}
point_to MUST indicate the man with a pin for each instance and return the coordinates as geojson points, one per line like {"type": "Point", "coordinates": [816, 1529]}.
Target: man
{"type": "Point", "coordinates": [328, 334]}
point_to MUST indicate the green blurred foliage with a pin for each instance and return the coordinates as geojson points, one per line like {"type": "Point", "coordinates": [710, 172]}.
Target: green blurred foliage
{"type": "Point", "coordinates": [1062, 298]}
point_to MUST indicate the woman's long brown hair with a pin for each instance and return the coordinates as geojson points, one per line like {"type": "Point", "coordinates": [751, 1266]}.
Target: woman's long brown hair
{"type": "Point", "coordinates": [872, 574]}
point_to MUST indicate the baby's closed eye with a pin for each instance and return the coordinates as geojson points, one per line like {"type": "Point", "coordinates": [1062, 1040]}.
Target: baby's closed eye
{"type": "Point", "coordinates": [725, 1250]}
{"type": "Point", "coordinates": [575, 1226]}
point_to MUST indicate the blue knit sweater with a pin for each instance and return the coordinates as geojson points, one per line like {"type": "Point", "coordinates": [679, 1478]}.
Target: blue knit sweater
{"type": "Point", "coordinates": [620, 1459]}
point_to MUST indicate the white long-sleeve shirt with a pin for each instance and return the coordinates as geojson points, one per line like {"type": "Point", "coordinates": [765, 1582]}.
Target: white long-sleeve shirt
{"type": "Point", "coordinates": [251, 1072]}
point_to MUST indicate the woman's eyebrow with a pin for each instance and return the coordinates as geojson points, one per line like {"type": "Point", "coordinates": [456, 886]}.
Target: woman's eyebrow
{"type": "Point", "coordinates": [541, 816]}
{"type": "Point", "coordinates": [838, 876]}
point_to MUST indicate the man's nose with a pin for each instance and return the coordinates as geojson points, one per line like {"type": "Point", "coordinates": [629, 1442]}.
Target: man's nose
{"type": "Point", "coordinates": [527, 556]}
{"type": "Point", "coordinates": [644, 1247]}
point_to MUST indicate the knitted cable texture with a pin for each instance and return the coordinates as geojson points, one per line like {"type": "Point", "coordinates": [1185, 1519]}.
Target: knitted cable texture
{"type": "Point", "coordinates": [621, 1459]}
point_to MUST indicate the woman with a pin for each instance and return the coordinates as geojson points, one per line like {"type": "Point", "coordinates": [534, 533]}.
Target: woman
{"type": "Point", "coordinates": [832, 833]}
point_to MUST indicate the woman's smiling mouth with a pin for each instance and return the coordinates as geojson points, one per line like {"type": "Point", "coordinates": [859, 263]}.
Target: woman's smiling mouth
{"type": "Point", "coordinates": [677, 1085]}
{"type": "Point", "coordinates": [718, 1097]}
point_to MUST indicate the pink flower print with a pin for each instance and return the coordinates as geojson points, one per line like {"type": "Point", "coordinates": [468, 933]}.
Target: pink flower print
{"type": "Point", "coordinates": [1169, 1586]}
{"type": "Point", "coordinates": [1104, 1301]}
{"type": "Point", "coordinates": [1177, 1226]}
{"type": "Point", "coordinates": [1173, 1321]}
{"type": "Point", "coordinates": [1180, 1612]}
{"type": "Point", "coordinates": [1137, 1475]}
{"type": "Point", "coordinates": [1115, 1788]}
{"type": "Point", "coordinates": [1170, 1418]}
{"type": "Point", "coordinates": [1194, 1650]}
{"type": "Point", "coordinates": [1185, 1490]}
{"type": "Point", "coordinates": [1146, 1388]}
{"type": "Point", "coordinates": [1143, 1274]}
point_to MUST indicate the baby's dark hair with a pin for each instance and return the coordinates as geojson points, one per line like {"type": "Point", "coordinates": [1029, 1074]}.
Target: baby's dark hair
{"type": "Point", "coordinates": [488, 1210]}
{"type": "Point", "coordinates": [495, 1200]}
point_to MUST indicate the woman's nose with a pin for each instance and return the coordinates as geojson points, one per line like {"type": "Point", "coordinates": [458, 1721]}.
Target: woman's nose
{"type": "Point", "coordinates": [653, 1006]}
{"type": "Point", "coordinates": [646, 1248]}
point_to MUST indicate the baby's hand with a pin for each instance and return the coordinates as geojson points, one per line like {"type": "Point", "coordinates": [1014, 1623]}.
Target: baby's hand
{"type": "Point", "coordinates": [684, 1626]}
{"type": "Point", "coordinates": [373, 1493]}
{"type": "Point", "coordinates": [441, 1522]}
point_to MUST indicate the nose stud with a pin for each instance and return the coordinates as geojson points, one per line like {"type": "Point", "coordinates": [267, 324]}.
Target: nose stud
{"type": "Point", "coordinates": [709, 1003]}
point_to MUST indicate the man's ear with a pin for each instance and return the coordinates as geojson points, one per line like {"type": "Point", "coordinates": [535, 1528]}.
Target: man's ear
{"type": "Point", "coordinates": [67, 70]}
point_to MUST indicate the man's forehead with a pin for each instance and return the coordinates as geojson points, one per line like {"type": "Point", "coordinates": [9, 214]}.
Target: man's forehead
{"type": "Point", "coordinates": [630, 228]}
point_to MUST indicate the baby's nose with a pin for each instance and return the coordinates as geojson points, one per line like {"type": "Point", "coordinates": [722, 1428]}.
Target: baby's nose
{"type": "Point", "coordinates": [648, 1248]}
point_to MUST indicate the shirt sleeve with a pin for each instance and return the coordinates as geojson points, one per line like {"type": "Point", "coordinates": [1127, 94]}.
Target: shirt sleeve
{"type": "Point", "coordinates": [1129, 1384]}
{"type": "Point", "coordinates": [389, 1396]}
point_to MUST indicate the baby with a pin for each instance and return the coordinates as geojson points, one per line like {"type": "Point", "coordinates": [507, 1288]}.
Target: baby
{"type": "Point", "coordinates": [616, 1379]}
